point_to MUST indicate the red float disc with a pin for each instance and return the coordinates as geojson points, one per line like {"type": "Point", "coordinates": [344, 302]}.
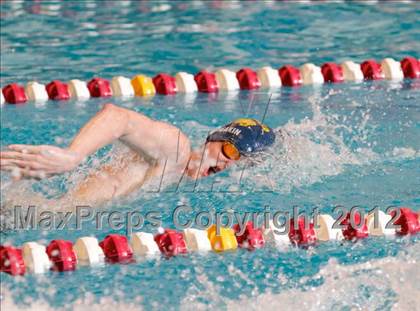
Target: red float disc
{"type": "Point", "coordinates": [57, 90]}
{"type": "Point", "coordinates": [358, 231]}
{"type": "Point", "coordinates": [290, 76]}
{"type": "Point", "coordinates": [300, 235]}
{"type": "Point", "coordinates": [206, 82]}
{"type": "Point", "coordinates": [14, 94]}
{"type": "Point", "coordinates": [371, 70]}
{"type": "Point", "coordinates": [252, 238]}
{"type": "Point", "coordinates": [332, 73]}
{"type": "Point", "coordinates": [408, 221]}
{"type": "Point", "coordinates": [116, 248]}
{"type": "Point", "coordinates": [411, 68]}
{"type": "Point", "coordinates": [11, 260]}
{"type": "Point", "coordinates": [62, 255]}
{"type": "Point", "coordinates": [99, 87]}
{"type": "Point", "coordinates": [165, 84]}
{"type": "Point", "coordinates": [171, 243]}
{"type": "Point", "coordinates": [248, 79]}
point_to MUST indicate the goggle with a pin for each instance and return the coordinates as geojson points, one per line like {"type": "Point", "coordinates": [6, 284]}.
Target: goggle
{"type": "Point", "coordinates": [230, 151]}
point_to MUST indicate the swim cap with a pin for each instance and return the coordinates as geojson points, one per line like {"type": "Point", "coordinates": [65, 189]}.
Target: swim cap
{"type": "Point", "coordinates": [247, 135]}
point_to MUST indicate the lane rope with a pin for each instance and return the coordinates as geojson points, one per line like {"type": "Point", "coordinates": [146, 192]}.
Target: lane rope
{"type": "Point", "coordinates": [208, 82]}
{"type": "Point", "coordinates": [62, 255]}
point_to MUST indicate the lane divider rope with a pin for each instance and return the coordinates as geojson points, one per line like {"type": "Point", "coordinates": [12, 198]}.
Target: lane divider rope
{"type": "Point", "coordinates": [209, 82]}
{"type": "Point", "coordinates": [61, 255]}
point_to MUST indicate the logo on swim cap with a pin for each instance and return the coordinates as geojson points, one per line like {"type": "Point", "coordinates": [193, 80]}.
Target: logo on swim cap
{"type": "Point", "coordinates": [246, 122]}
{"type": "Point", "coordinates": [247, 135]}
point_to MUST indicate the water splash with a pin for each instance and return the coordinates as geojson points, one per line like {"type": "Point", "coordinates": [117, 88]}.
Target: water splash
{"type": "Point", "coordinates": [388, 283]}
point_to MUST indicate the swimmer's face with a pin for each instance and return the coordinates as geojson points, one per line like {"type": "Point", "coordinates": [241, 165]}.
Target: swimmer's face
{"type": "Point", "coordinates": [209, 161]}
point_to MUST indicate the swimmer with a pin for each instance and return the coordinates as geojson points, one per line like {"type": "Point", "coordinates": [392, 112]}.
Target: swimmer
{"type": "Point", "coordinates": [154, 146]}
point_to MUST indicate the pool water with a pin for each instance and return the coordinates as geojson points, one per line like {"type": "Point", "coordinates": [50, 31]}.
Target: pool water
{"type": "Point", "coordinates": [352, 144]}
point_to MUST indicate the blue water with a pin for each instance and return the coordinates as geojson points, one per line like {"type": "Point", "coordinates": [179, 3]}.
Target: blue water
{"type": "Point", "coordinates": [355, 144]}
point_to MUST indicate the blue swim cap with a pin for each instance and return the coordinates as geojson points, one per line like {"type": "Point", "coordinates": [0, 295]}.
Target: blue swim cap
{"type": "Point", "coordinates": [247, 135]}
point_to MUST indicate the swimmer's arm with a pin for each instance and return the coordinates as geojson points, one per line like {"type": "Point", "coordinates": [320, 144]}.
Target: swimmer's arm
{"type": "Point", "coordinates": [158, 140]}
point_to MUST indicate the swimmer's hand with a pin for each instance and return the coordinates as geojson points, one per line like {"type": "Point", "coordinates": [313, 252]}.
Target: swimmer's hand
{"type": "Point", "coordinates": [28, 161]}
